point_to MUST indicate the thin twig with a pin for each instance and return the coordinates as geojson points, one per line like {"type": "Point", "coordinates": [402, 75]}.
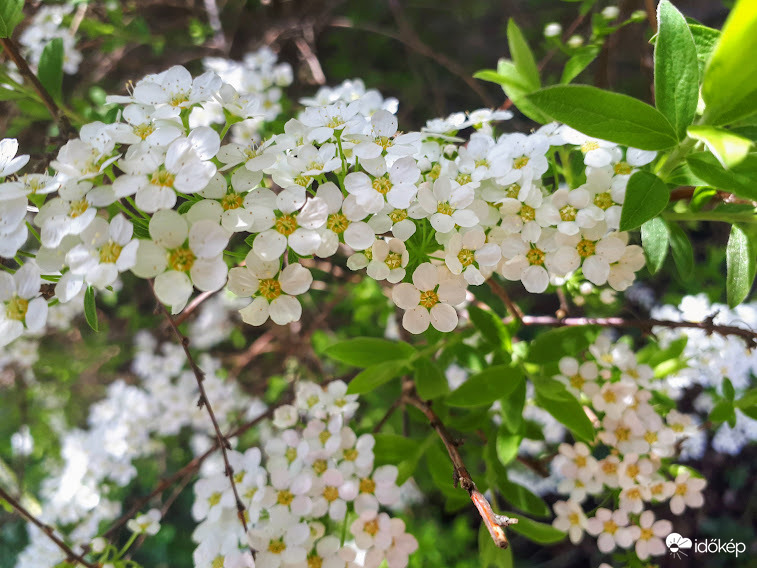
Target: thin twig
{"type": "Point", "coordinates": [64, 125]}
{"type": "Point", "coordinates": [261, 345]}
{"type": "Point", "coordinates": [494, 523]}
{"type": "Point", "coordinates": [395, 405]}
{"type": "Point", "coordinates": [204, 401]}
{"type": "Point", "coordinates": [512, 307]}
{"type": "Point", "coordinates": [193, 305]}
{"type": "Point", "coordinates": [312, 60]}
{"type": "Point", "coordinates": [71, 556]}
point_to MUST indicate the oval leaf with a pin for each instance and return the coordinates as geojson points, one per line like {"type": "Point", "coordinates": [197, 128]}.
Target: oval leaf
{"type": "Point", "coordinates": [507, 446]}
{"type": "Point", "coordinates": [522, 55]}
{"type": "Point", "coordinates": [740, 179]}
{"type": "Point", "coordinates": [729, 148]}
{"type": "Point", "coordinates": [541, 533]}
{"type": "Point", "coordinates": [11, 13]}
{"type": "Point", "coordinates": [610, 116]}
{"type": "Point", "coordinates": [430, 382]}
{"type": "Point", "coordinates": [556, 343]}
{"type": "Point", "coordinates": [646, 197]}
{"type": "Point", "coordinates": [568, 411]}
{"type": "Point", "coordinates": [375, 376]}
{"type": "Point", "coordinates": [366, 351]}
{"type": "Point", "coordinates": [683, 254]}
{"type": "Point", "coordinates": [487, 386]}
{"type": "Point", "coordinates": [50, 70]}
{"type": "Point", "coordinates": [740, 266]}
{"type": "Point", "coordinates": [655, 237]}
{"type": "Point", "coordinates": [90, 309]}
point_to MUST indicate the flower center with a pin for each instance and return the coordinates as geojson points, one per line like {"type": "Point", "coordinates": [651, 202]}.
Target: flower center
{"type": "Point", "coordinates": [269, 288]}
{"type": "Point", "coordinates": [368, 253]}
{"type": "Point", "coordinates": [521, 162]}
{"type": "Point", "coordinates": [350, 455]}
{"type": "Point", "coordinates": [622, 434]}
{"type": "Point", "coordinates": [315, 562]}
{"type": "Point", "coordinates": [681, 489]}
{"type": "Point", "coordinates": [466, 257]}
{"type": "Point", "coordinates": [603, 200]}
{"type": "Point", "coordinates": [214, 499]}
{"type": "Point", "coordinates": [535, 257]}
{"type": "Point", "coordinates": [622, 169]}
{"type": "Point", "coordinates": [286, 224]}
{"type": "Point", "coordinates": [646, 534]}
{"type": "Point", "coordinates": [609, 467]}
{"type": "Point", "coordinates": [568, 213]}
{"type": "Point", "coordinates": [218, 561]}
{"type": "Point", "coordinates": [335, 122]}
{"type": "Point", "coordinates": [17, 308]}
{"type": "Point", "coordinates": [331, 494]}
{"type": "Point", "coordinates": [367, 485]}
{"type": "Point", "coordinates": [285, 497]}
{"type": "Point", "coordinates": [382, 185]}
{"type": "Point", "coordinates": [232, 201]}
{"type": "Point", "coordinates": [324, 436]}
{"type": "Point", "coordinates": [384, 142]}
{"type": "Point", "coordinates": [337, 222]}
{"type": "Point", "coordinates": [181, 259]}
{"type": "Point", "coordinates": [462, 179]}
{"type": "Point", "coordinates": [304, 181]}
{"type": "Point", "coordinates": [610, 527]}
{"type": "Point", "coordinates": [577, 382]}
{"type": "Point", "coordinates": [78, 207]}
{"type": "Point", "coordinates": [677, 428]}
{"type": "Point", "coordinates": [574, 519]}
{"type": "Point", "coordinates": [589, 146]}
{"type": "Point", "coordinates": [481, 163]}
{"type": "Point", "coordinates": [513, 191]}
{"type": "Point", "coordinates": [580, 461]}
{"type": "Point", "coordinates": [435, 171]}
{"type": "Point", "coordinates": [110, 252]}
{"type": "Point", "coordinates": [277, 546]}
{"type": "Point", "coordinates": [527, 213]}
{"type": "Point", "coordinates": [178, 99]}
{"type": "Point", "coordinates": [634, 493]}
{"type": "Point", "coordinates": [445, 209]}
{"type": "Point", "coordinates": [319, 466]}
{"type": "Point", "coordinates": [650, 437]}
{"type": "Point", "coordinates": [315, 166]}
{"type": "Point", "coordinates": [144, 130]}
{"type": "Point", "coordinates": [609, 396]}
{"type": "Point", "coordinates": [585, 248]}
{"type": "Point", "coordinates": [290, 454]}
{"type": "Point", "coordinates": [371, 527]}
{"type": "Point", "coordinates": [429, 299]}
{"type": "Point", "coordinates": [393, 260]}
{"type": "Point", "coordinates": [398, 215]}
{"type": "Point", "coordinates": [163, 178]}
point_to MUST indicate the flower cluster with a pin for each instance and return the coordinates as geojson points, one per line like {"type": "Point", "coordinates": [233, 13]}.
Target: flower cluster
{"type": "Point", "coordinates": [630, 457]}
{"type": "Point", "coordinates": [46, 25]}
{"type": "Point", "coordinates": [314, 480]}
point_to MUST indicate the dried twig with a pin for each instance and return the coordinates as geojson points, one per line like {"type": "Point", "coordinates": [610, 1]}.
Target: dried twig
{"type": "Point", "coordinates": [71, 556]}
{"type": "Point", "coordinates": [494, 523]}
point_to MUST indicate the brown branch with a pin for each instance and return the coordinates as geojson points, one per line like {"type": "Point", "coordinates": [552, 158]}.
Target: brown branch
{"type": "Point", "coordinates": [64, 125]}
{"type": "Point", "coordinates": [71, 556]}
{"type": "Point", "coordinates": [494, 523]}
{"type": "Point", "coordinates": [193, 305]}
{"type": "Point", "coordinates": [312, 60]}
{"type": "Point", "coordinates": [223, 443]}
{"type": "Point", "coordinates": [502, 294]}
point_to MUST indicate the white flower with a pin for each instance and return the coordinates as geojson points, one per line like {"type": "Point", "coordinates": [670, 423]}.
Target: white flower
{"type": "Point", "coordinates": [687, 493]}
{"type": "Point", "coordinates": [570, 518]}
{"type": "Point", "coordinates": [22, 307]}
{"type": "Point", "coordinates": [9, 162]}
{"type": "Point", "coordinates": [648, 535]}
{"type": "Point", "coordinates": [173, 90]}
{"type": "Point", "coordinates": [596, 152]}
{"type": "Point", "coordinates": [429, 299]}
{"type": "Point", "coordinates": [611, 528]}
{"type": "Point", "coordinates": [576, 461]}
{"type": "Point", "coordinates": [468, 253]}
{"type": "Point", "coordinates": [149, 523]}
{"type": "Point", "coordinates": [388, 260]}
{"type": "Point", "coordinates": [394, 185]}
{"type": "Point", "coordinates": [274, 291]}
{"type": "Point", "coordinates": [343, 223]}
{"type": "Point", "coordinates": [447, 204]}
{"type": "Point", "coordinates": [579, 379]}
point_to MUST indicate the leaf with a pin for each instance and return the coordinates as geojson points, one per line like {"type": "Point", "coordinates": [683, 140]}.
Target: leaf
{"type": "Point", "coordinates": [515, 86]}
{"type": "Point", "coordinates": [512, 408]}
{"type": "Point", "coordinates": [741, 179]}
{"type": "Point", "coordinates": [522, 56]}
{"type": "Point", "coordinates": [740, 265]}
{"type": "Point", "coordinates": [522, 498]}
{"type": "Point", "coordinates": [723, 411]}
{"type": "Point", "coordinates": [491, 327]}
{"type": "Point", "coordinates": [90, 309]}
{"type": "Point", "coordinates": [568, 411]}
{"type": "Point", "coordinates": [541, 533]}
{"type": "Point", "coordinates": [683, 254]}
{"type": "Point", "coordinates": [11, 13]}
{"type": "Point", "coordinates": [705, 40]}
{"type": "Point", "coordinates": [487, 386]}
{"type": "Point", "coordinates": [728, 390]}
{"type": "Point", "coordinates": [489, 554]}
{"type": "Point", "coordinates": [729, 148]}
{"type": "Point", "coordinates": [375, 376]}
{"type": "Point", "coordinates": [747, 400]}
{"type": "Point", "coordinates": [50, 70]}
{"type": "Point", "coordinates": [393, 448]}
{"type": "Point", "coordinates": [655, 236]}
{"type": "Point", "coordinates": [556, 343]}
{"type": "Point", "coordinates": [610, 116]}
{"type": "Point", "coordinates": [507, 445]}
{"type": "Point", "coordinates": [676, 71]}
{"type": "Point", "coordinates": [729, 88]}
{"type": "Point", "coordinates": [430, 382]}
{"type": "Point", "coordinates": [646, 197]}
{"type": "Point", "coordinates": [580, 60]}
{"type": "Point", "coordinates": [365, 351]}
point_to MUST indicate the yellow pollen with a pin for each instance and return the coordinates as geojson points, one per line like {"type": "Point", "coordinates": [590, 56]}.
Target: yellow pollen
{"type": "Point", "coordinates": [163, 178]}
{"type": "Point", "coordinates": [218, 561]}
{"type": "Point", "coordinates": [312, 400]}
{"type": "Point", "coordinates": [398, 215]}
{"type": "Point", "coordinates": [384, 142]}
{"type": "Point", "coordinates": [368, 253]}
{"type": "Point", "coordinates": [371, 527]}
{"type": "Point", "coordinates": [335, 122]}
{"type": "Point", "coordinates": [315, 562]}
{"type": "Point", "coordinates": [181, 259]}
{"type": "Point", "coordinates": [382, 185]}
{"type": "Point", "coordinates": [462, 179]}
{"type": "Point", "coordinates": [677, 428]}
{"type": "Point", "coordinates": [239, 476]}
{"type": "Point", "coordinates": [277, 546]}
{"type": "Point", "coordinates": [445, 209]}
{"type": "Point", "coordinates": [232, 201]}
{"type": "Point", "coordinates": [634, 493]}
{"type": "Point", "coordinates": [577, 382]}
{"type": "Point", "coordinates": [214, 499]}
{"type": "Point", "coordinates": [393, 260]}
{"type": "Point", "coordinates": [110, 252]}
{"type": "Point", "coordinates": [250, 493]}
{"type": "Point", "coordinates": [622, 169]}
{"type": "Point", "coordinates": [337, 222]}
{"type": "Point", "coordinates": [574, 518]}
{"type": "Point", "coordinates": [367, 485]}
{"type": "Point", "coordinates": [286, 224]}
{"type": "Point", "coordinates": [78, 207]}
{"type": "Point", "coordinates": [656, 489]}
{"type": "Point", "coordinates": [285, 497]}
{"type": "Point", "coordinates": [304, 181]}
{"type": "Point", "coordinates": [481, 163]}
{"type": "Point", "coordinates": [324, 436]}
{"type": "Point", "coordinates": [586, 248]}
{"type": "Point", "coordinates": [429, 299]}
{"type": "Point", "coordinates": [331, 494]}
{"type": "Point", "coordinates": [603, 200]}
{"type": "Point", "coordinates": [466, 257]}
{"type": "Point", "coordinates": [434, 171]}
{"type": "Point", "coordinates": [319, 466]}
{"type": "Point", "coordinates": [610, 527]}
{"type": "Point", "coordinates": [580, 461]}
{"type": "Point", "coordinates": [178, 99]}
{"type": "Point", "coordinates": [568, 213]}
{"type": "Point", "coordinates": [589, 146]}
{"type": "Point", "coordinates": [290, 454]}
{"type": "Point", "coordinates": [633, 470]}
{"type": "Point", "coordinates": [527, 213]}
{"type": "Point", "coordinates": [609, 396]}
{"type": "Point", "coordinates": [622, 434]}
{"type": "Point", "coordinates": [535, 257]}
{"type": "Point", "coordinates": [513, 191]}
{"type": "Point", "coordinates": [646, 534]}
{"type": "Point", "coordinates": [350, 455]}
{"type": "Point", "coordinates": [650, 437]}
{"type": "Point", "coordinates": [609, 467]}
{"type": "Point", "coordinates": [315, 166]}
{"type": "Point", "coordinates": [521, 162]}
{"type": "Point", "coordinates": [269, 288]}
{"type": "Point", "coordinates": [144, 130]}
{"type": "Point", "coordinates": [17, 308]}
{"type": "Point", "coordinates": [340, 402]}
{"type": "Point", "coordinates": [680, 489]}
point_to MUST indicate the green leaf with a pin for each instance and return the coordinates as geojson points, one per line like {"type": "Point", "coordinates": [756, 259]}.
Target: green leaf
{"type": "Point", "coordinates": [741, 179]}
{"type": "Point", "coordinates": [430, 382]}
{"type": "Point", "coordinates": [489, 554]}
{"type": "Point", "coordinates": [655, 236]}
{"type": "Point", "coordinates": [491, 327]}
{"type": "Point", "coordinates": [556, 343]}
{"type": "Point", "coordinates": [366, 351]}
{"type": "Point", "coordinates": [541, 533]}
{"type": "Point", "coordinates": [11, 13]}
{"type": "Point", "coordinates": [740, 265]}
{"type": "Point", "coordinates": [728, 390]}
{"type": "Point", "coordinates": [522, 56]}
{"type": "Point", "coordinates": [610, 116]}
{"type": "Point", "coordinates": [646, 197]}
{"type": "Point", "coordinates": [683, 254]}
{"type": "Point", "coordinates": [375, 376]}
{"type": "Point", "coordinates": [507, 445]}
{"type": "Point", "coordinates": [393, 448]}
{"type": "Point", "coordinates": [723, 411]}
{"type": "Point", "coordinates": [487, 386]}
{"type": "Point", "coordinates": [676, 72]}
{"type": "Point", "coordinates": [512, 408]}
{"type": "Point", "coordinates": [705, 40]}
{"type": "Point", "coordinates": [729, 88]}
{"type": "Point", "coordinates": [747, 400]}
{"type": "Point", "coordinates": [568, 411]}
{"type": "Point", "coordinates": [522, 498]}
{"type": "Point", "coordinates": [579, 61]}
{"type": "Point", "coordinates": [90, 309]}
{"type": "Point", "coordinates": [729, 148]}
{"type": "Point", "coordinates": [515, 86]}
{"type": "Point", "coordinates": [50, 70]}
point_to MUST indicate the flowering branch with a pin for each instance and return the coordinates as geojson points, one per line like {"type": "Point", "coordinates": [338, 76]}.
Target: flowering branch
{"type": "Point", "coordinates": [71, 556]}
{"type": "Point", "coordinates": [64, 125]}
{"type": "Point", "coordinates": [222, 441]}
{"type": "Point", "coordinates": [494, 523]}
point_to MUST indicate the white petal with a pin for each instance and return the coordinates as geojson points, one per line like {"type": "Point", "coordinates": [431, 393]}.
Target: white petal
{"type": "Point", "coordinates": [443, 317]}
{"type": "Point", "coordinates": [295, 279]}
{"type": "Point", "coordinates": [208, 239]}
{"type": "Point", "coordinates": [416, 320]}
{"type": "Point", "coordinates": [256, 313]}
{"type": "Point", "coordinates": [209, 274]}
{"type": "Point", "coordinates": [173, 288]}
{"type": "Point", "coordinates": [285, 309]}
{"type": "Point", "coordinates": [168, 229]}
